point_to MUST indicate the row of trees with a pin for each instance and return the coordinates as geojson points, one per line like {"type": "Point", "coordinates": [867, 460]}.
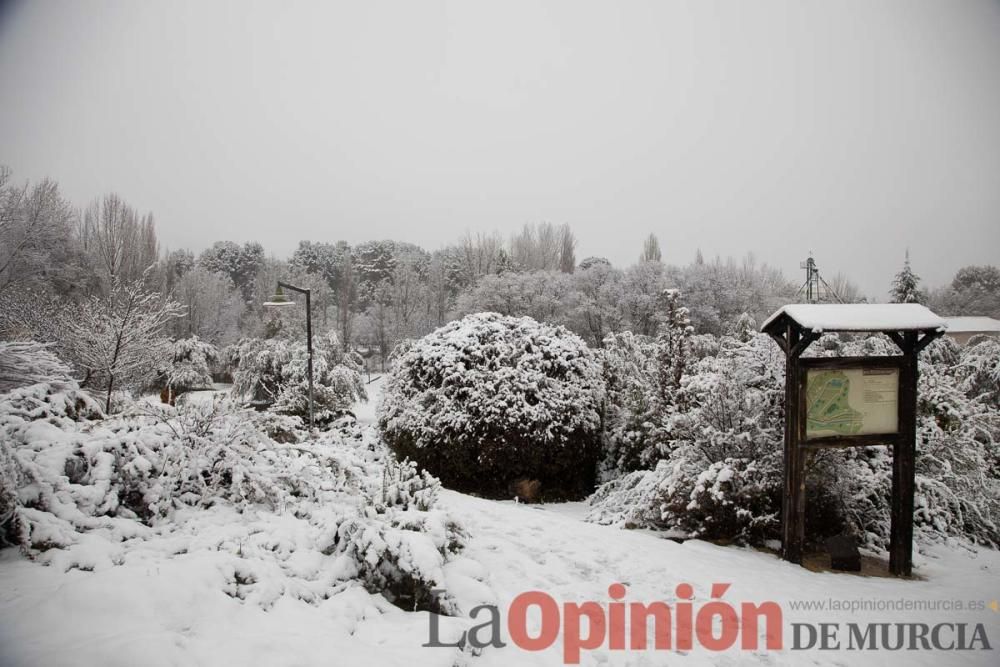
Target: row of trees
{"type": "Point", "coordinates": [377, 293]}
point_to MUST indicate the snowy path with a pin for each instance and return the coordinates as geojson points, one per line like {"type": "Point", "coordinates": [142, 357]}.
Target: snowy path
{"type": "Point", "coordinates": [166, 605]}
{"type": "Point", "coordinates": [525, 547]}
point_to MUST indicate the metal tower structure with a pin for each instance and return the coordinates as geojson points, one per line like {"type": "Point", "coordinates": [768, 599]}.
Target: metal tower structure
{"type": "Point", "coordinates": [815, 286]}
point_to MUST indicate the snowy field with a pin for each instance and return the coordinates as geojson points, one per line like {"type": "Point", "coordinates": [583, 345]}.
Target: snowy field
{"type": "Point", "coordinates": [219, 587]}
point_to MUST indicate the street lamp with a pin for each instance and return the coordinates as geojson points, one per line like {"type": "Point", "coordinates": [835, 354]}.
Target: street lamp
{"type": "Point", "coordinates": [280, 300]}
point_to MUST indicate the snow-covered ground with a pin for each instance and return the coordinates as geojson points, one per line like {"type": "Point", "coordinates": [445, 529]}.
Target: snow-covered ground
{"type": "Point", "coordinates": [218, 587]}
{"type": "Point", "coordinates": [365, 412]}
{"type": "Point", "coordinates": [176, 601]}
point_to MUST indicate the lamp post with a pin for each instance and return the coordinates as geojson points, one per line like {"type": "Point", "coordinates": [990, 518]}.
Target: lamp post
{"type": "Point", "coordinates": [309, 331]}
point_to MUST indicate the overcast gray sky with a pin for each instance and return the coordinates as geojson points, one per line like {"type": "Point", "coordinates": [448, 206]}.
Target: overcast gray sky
{"type": "Point", "coordinates": [851, 129]}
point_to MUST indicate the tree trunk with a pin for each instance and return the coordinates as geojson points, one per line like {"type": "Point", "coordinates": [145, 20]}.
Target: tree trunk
{"type": "Point", "coordinates": [107, 403]}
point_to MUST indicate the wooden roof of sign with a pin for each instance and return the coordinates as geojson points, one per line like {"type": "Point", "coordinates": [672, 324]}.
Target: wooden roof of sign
{"type": "Point", "coordinates": [822, 317]}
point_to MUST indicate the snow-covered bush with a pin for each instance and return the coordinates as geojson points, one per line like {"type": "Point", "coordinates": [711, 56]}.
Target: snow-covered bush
{"type": "Point", "coordinates": [399, 541]}
{"type": "Point", "coordinates": [137, 466]}
{"type": "Point", "coordinates": [49, 402]}
{"type": "Point", "coordinates": [719, 473]}
{"type": "Point", "coordinates": [188, 366]}
{"type": "Point", "coordinates": [40, 411]}
{"type": "Point", "coordinates": [736, 498]}
{"type": "Point", "coordinates": [631, 501]}
{"type": "Point", "coordinates": [304, 520]}
{"type": "Point", "coordinates": [13, 529]}
{"type": "Point", "coordinates": [720, 468]}
{"type": "Point", "coordinates": [979, 370]}
{"type": "Point", "coordinates": [632, 411]}
{"type": "Point", "coordinates": [28, 363]}
{"type": "Point", "coordinates": [280, 428]}
{"type": "Point", "coordinates": [405, 486]}
{"type": "Point", "coordinates": [958, 486]}
{"type": "Point", "coordinates": [273, 372]}
{"type": "Point", "coordinates": [643, 376]}
{"type": "Point", "coordinates": [491, 399]}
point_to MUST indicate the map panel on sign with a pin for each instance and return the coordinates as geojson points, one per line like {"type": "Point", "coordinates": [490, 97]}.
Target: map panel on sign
{"type": "Point", "coordinates": [851, 401]}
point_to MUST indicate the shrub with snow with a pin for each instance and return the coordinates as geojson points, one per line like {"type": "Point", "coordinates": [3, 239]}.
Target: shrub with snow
{"type": "Point", "coordinates": [137, 466]}
{"type": "Point", "coordinates": [189, 365]}
{"type": "Point", "coordinates": [644, 376]}
{"type": "Point", "coordinates": [27, 363]}
{"type": "Point", "coordinates": [13, 529]}
{"type": "Point", "coordinates": [305, 520]}
{"type": "Point", "coordinates": [48, 401]}
{"type": "Point", "coordinates": [720, 468]}
{"type": "Point", "coordinates": [979, 370]}
{"type": "Point", "coordinates": [490, 399]}
{"type": "Point", "coordinates": [273, 372]}
{"type": "Point", "coordinates": [400, 541]}
{"type": "Point", "coordinates": [632, 410]}
{"type": "Point", "coordinates": [719, 473]}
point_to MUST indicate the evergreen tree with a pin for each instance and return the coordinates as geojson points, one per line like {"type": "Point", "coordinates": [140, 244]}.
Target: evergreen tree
{"type": "Point", "coordinates": [906, 285]}
{"type": "Point", "coordinates": [745, 328]}
{"type": "Point", "coordinates": [672, 342]}
{"type": "Point", "coordinates": [650, 249]}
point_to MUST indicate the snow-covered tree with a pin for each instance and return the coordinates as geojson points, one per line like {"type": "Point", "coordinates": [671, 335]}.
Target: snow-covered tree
{"type": "Point", "coordinates": [567, 250]}
{"type": "Point", "coordinates": [374, 262]}
{"type": "Point", "coordinates": [117, 340]}
{"type": "Point", "coordinates": [975, 290]}
{"type": "Point", "coordinates": [542, 295]}
{"type": "Point", "coordinates": [175, 265]}
{"type": "Point", "coordinates": [643, 284]}
{"type": "Point", "coordinates": [718, 292]}
{"type": "Point", "coordinates": [240, 263]}
{"type": "Point", "coordinates": [672, 341]}
{"type": "Point", "coordinates": [489, 399]}
{"type": "Point", "coordinates": [651, 249]}
{"type": "Point", "coordinates": [595, 302]}
{"type": "Point", "coordinates": [337, 382]}
{"type": "Point", "coordinates": [544, 247]}
{"type": "Point", "coordinates": [978, 370]}
{"type": "Point", "coordinates": [190, 361]}
{"type": "Point", "coordinates": [632, 417]}
{"type": "Point", "coordinates": [35, 315]}
{"type": "Point", "coordinates": [121, 245]}
{"type": "Point", "coordinates": [37, 248]}
{"type": "Point", "coordinates": [744, 328]}
{"type": "Point", "coordinates": [273, 372]}
{"type": "Point", "coordinates": [213, 306]}
{"type": "Point", "coordinates": [906, 285]}
{"type": "Point", "coordinates": [588, 262]}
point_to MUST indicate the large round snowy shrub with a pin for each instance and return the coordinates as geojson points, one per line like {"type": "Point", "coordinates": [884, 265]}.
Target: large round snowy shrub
{"type": "Point", "coordinates": [487, 400]}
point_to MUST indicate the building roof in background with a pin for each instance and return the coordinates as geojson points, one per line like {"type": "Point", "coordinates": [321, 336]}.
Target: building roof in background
{"type": "Point", "coordinates": [971, 324]}
{"type": "Point", "coordinates": [819, 317]}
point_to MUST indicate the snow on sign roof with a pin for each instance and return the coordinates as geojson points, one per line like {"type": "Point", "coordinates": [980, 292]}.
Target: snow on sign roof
{"type": "Point", "coordinates": [859, 317]}
{"type": "Point", "coordinates": [971, 324]}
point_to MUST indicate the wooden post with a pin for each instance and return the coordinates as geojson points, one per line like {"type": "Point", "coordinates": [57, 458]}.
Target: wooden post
{"type": "Point", "coordinates": [793, 500]}
{"type": "Point", "coordinates": [903, 463]}
{"type": "Point", "coordinates": [793, 338]}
